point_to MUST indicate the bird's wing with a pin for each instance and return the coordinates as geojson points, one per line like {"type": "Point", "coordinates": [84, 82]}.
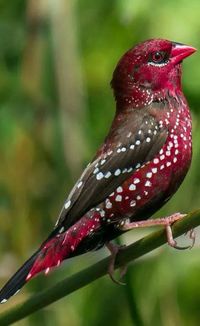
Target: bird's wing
{"type": "Point", "coordinates": [134, 143]}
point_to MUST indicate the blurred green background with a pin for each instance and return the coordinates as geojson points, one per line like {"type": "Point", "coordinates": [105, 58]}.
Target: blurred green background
{"type": "Point", "coordinates": [56, 62]}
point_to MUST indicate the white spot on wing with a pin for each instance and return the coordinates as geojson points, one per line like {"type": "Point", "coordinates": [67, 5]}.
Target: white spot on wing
{"type": "Point", "coordinates": [99, 176]}
{"type": "Point", "coordinates": [67, 204]}
{"type": "Point", "coordinates": [107, 175]}
{"type": "Point", "coordinates": [79, 184]}
{"type": "Point", "coordinates": [117, 172]}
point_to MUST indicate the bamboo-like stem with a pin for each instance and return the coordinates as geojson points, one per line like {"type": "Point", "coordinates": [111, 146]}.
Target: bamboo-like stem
{"type": "Point", "coordinates": [90, 274]}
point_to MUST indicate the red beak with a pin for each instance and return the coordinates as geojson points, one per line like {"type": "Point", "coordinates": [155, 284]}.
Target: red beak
{"type": "Point", "coordinates": [180, 52]}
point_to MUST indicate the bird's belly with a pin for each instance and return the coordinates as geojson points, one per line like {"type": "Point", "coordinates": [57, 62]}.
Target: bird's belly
{"type": "Point", "coordinates": [153, 184]}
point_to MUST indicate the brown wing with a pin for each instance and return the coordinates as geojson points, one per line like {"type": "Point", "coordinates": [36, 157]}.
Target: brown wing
{"type": "Point", "coordinates": [137, 140]}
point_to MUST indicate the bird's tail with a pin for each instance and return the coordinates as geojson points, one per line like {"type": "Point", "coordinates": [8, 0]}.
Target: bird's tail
{"type": "Point", "coordinates": [16, 282]}
{"type": "Point", "coordinates": [61, 244]}
{"type": "Point", "coordinates": [51, 253]}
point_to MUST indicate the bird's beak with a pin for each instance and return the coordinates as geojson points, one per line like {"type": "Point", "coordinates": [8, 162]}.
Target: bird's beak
{"type": "Point", "coordinates": [181, 51]}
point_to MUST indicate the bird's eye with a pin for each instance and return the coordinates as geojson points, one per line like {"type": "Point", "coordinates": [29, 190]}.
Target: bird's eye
{"type": "Point", "coordinates": [157, 57]}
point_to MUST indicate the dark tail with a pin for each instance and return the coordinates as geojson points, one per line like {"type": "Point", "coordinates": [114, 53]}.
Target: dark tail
{"type": "Point", "coordinates": [51, 253]}
{"type": "Point", "coordinates": [18, 280]}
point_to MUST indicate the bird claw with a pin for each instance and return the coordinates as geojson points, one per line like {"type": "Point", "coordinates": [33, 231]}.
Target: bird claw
{"type": "Point", "coordinates": [114, 249]}
{"type": "Point", "coordinates": [192, 236]}
{"type": "Point", "coordinates": [166, 222]}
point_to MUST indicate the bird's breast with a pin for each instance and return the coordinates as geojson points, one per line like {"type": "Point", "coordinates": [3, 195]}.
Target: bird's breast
{"type": "Point", "coordinates": [157, 180]}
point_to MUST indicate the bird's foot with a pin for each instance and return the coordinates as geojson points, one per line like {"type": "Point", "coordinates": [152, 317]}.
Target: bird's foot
{"type": "Point", "coordinates": [125, 225]}
{"type": "Point", "coordinates": [192, 236]}
{"type": "Point", "coordinates": [114, 249]}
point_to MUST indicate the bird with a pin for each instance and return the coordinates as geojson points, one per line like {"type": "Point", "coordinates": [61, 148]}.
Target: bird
{"type": "Point", "coordinates": [137, 169]}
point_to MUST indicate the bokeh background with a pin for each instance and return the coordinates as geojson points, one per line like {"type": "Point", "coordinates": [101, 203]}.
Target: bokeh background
{"type": "Point", "coordinates": [56, 62]}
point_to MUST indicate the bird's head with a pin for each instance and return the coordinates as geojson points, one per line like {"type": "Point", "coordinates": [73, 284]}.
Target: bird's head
{"type": "Point", "coordinates": [147, 71]}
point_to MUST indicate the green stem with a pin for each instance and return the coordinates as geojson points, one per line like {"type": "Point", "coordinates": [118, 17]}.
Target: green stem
{"type": "Point", "coordinates": [130, 295]}
{"type": "Point", "coordinates": [90, 274]}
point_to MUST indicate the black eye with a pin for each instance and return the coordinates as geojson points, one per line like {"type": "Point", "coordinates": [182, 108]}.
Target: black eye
{"type": "Point", "coordinates": [158, 57]}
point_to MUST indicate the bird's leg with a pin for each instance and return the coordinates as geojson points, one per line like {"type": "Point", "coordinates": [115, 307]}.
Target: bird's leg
{"type": "Point", "coordinates": [165, 221]}
{"type": "Point", "coordinates": [114, 249]}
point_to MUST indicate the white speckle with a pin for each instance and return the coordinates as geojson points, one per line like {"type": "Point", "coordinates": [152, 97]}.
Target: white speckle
{"type": "Point", "coordinates": [154, 170]}
{"type": "Point", "coordinates": [67, 204]}
{"type": "Point", "coordinates": [129, 134]}
{"type": "Point", "coordinates": [138, 166]}
{"type": "Point", "coordinates": [176, 151]}
{"type": "Point", "coordinates": [156, 161]}
{"type": "Point", "coordinates": [72, 248]}
{"type": "Point", "coordinates": [118, 198]}
{"type": "Point", "coordinates": [161, 151]}
{"type": "Point", "coordinates": [132, 146]}
{"type": "Point", "coordinates": [139, 132]}
{"type": "Point", "coordinates": [119, 150]}
{"type": "Point", "coordinates": [136, 180]}
{"type": "Point", "coordinates": [127, 197]}
{"type": "Point", "coordinates": [107, 175]}
{"type": "Point", "coordinates": [168, 164]}
{"type": "Point", "coordinates": [47, 270]}
{"type": "Point", "coordinates": [162, 167]}
{"type": "Point", "coordinates": [103, 161]}
{"type": "Point", "coordinates": [148, 139]}
{"type": "Point", "coordinates": [146, 193]}
{"type": "Point", "coordinates": [79, 184]}
{"type": "Point", "coordinates": [108, 204]}
{"type": "Point", "coordinates": [29, 276]}
{"type": "Point", "coordinates": [61, 229]}
{"type": "Point", "coordinates": [148, 183]}
{"type": "Point", "coordinates": [102, 213]}
{"type": "Point", "coordinates": [138, 197]}
{"type": "Point", "coordinates": [162, 157]}
{"type": "Point", "coordinates": [168, 153]}
{"type": "Point", "coordinates": [119, 189]}
{"type": "Point", "coordinates": [96, 170]}
{"type": "Point", "coordinates": [149, 175]}
{"type": "Point", "coordinates": [132, 203]}
{"type": "Point", "coordinates": [124, 171]}
{"type": "Point", "coordinates": [137, 142]}
{"type": "Point", "coordinates": [175, 159]}
{"type": "Point", "coordinates": [123, 149]}
{"type": "Point", "coordinates": [99, 176]}
{"type": "Point", "coordinates": [130, 169]}
{"type": "Point", "coordinates": [4, 301]}
{"type": "Point", "coordinates": [132, 187]}
{"type": "Point", "coordinates": [117, 172]}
